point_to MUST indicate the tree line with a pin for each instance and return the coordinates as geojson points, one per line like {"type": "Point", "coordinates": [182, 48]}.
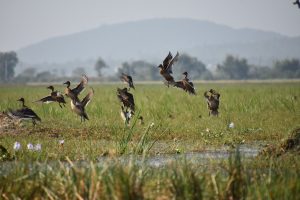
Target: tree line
{"type": "Point", "coordinates": [232, 68]}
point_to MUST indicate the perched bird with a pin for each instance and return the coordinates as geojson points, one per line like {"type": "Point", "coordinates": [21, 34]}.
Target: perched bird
{"type": "Point", "coordinates": [185, 84]}
{"type": "Point", "coordinates": [126, 98]}
{"type": "Point", "coordinates": [212, 99]}
{"type": "Point", "coordinates": [79, 106]}
{"type": "Point", "coordinates": [297, 2]}
{"type": "Point", "coordinates": [166, 68]}
{"type": "Point", "coordinates": [55, 96]}
{"type": "Point", "coordinates": [126, 115]}
{"type": "Point", "coordinates": [127, 79]}
{"type": "Point", "coordinates": [24, 113]}
{"type": "Point", "coordinates": [78, 89]}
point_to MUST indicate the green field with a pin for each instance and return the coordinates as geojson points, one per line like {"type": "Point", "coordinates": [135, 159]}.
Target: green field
{"type": "Point", "coordinates": [263, 114]}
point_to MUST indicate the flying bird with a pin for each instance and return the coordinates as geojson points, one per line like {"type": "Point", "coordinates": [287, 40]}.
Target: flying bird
{"type": "Point", "coordinates": [72, 93]}
{"type": "Point", "coordinates": [127, 79]}
{"type": "Point", "coordinates": [185, 84]}
{"type": "Point", "coordinates": [166, 68]}
{"type": "Point", "coordinates": [126, 98]}
{"type": "Point", "coordinates": [24, 113]}
{"type": "Point", "coordinates": [79, 106]}
{"type": "Point", "coordinates": [212, 98]}
{"type": "Point", "coordinates": [297, 2]}
{"type": "Point", "coordinates": [55, 96]}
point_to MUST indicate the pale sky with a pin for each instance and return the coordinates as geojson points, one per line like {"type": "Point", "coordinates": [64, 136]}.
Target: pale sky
{"type": "Point", "coordinates": [23, 22]}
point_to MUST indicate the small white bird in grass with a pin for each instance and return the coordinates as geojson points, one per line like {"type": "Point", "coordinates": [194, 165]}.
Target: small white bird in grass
{"type": "Point", "coordinates": [231, 125]}
{"type": "Point", "coordinates": [30, 146]}
{"type": "Point", "coordinates": [38, 147]}
{"type": "Point", "coordinates": [61, 142]}
{"type": "Point", "coordinates": [17, 146]}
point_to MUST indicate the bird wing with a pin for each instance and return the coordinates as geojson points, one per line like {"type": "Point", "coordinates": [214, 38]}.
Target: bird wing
{"type": "Point", "coordinates": [169, 67]}
{"type": "Point", "coordinates": [86, 100]}
{"type": "Point", "coordinates": [47, 99]}
{"type": "Point", "coordinates": [80, 87]}
{"type": "Point", "coordinates": [130, 82]}
{"type": "Point", "coordinates": [23, 113]}
{"type": "Point", "coordinates": [189, 87]}
{"type": "Point", "coordinates": [168, 77]}
{"type": "Point", "coordinates": [30, 113]}
{"type": "Point", "coordinates": [167, 60]}
{"type": "Point", "coordinates": [179, 84]}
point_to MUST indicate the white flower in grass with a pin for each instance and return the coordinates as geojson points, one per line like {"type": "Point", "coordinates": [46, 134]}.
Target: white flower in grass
{"type": "Point", "coordinates": [17, 146]}
{"type": "Point", "coordinates": [152, 124]}
{"type": "Point", "coordinates": [61, 142]}
{"type": "Point", "coordinates": [207, 130]}
{"type": "Point", "coordinates": [30, 146]}
{"type": "Point", "coordinates": [231, 125]}
{"type": "Point", "coordinates": [38, 147]}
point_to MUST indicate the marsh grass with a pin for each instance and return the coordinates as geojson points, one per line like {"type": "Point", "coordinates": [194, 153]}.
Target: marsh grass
{"type": "Point", "coordinates": [235, 179]}
{"type": "Point", "coordinates": [261, 113]}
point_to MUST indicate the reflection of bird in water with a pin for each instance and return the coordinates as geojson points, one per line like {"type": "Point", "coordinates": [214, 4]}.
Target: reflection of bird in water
{"type": "Point", "coordinates": [297, 2]}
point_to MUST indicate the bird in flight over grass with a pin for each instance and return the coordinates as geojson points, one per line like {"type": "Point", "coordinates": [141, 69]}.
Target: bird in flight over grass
{"type": "Point", "coordinates": [126, 98]}
{"type": "Point", "coordinates": [127, 79]}
{"type": "Point", "coordinates": [24, 113]}
{"type": "Point", "coordinates": [166, 68]}
{"type": "Point", "coordinates": [185, 84]}
{"type": "Point", "coordinates": [78, 89]}
{"type": "Point", "coordinates": [55, 96]}
{"type": "Point", "coordinates": [79, 106]}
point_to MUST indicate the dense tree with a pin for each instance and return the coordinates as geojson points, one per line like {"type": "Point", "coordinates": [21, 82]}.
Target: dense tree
{"type": "Point", "coordinates": [288, 68]}
{"type": "Point", "coordinates": [233, 68]}
{"type": "Point", "coordinates": [140, 70]}
{"type": "Point", "coordinates": [8, 62]}
{"type": "Point", "coordinates": [99, 66]}
{"type": "Point", "coordinates": [78, 72]}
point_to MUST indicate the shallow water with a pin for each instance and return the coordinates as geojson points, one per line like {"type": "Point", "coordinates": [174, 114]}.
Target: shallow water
{"type": "Point", "coordinates": [161, 160]}
{"type": "Point", "coordinates": [202, 157]}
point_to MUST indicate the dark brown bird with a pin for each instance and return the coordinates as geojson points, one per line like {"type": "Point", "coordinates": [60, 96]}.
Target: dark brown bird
{"type": "Point", "coordinates": [127, 79]}
{"type": "Point", "coordinates": [79, 106]}
{"type": "Point", "coordinates": [212, 99]}
{"type": "Point", "coordinates": [297, 2]}
{"type": "Point", "coordinates": [185, 84]}
{"type": "Point", "coordinates": [72, 93]}
{"type": "Point", "coordinates": [166, 68]}
{"type": "Point", "coordinates": [55, 96]}
{"type": "Point", "coordinates": [24, 113]}
{"type": "Point", "coordinates": [126, 98]}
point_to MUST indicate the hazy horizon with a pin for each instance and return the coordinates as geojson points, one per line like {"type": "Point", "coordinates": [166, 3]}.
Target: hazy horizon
{"type": "Point", "coordinates": [27, 22]}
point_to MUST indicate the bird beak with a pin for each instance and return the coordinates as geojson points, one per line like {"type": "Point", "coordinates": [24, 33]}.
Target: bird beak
{"type": "Point", "coordinates": [65, 83]}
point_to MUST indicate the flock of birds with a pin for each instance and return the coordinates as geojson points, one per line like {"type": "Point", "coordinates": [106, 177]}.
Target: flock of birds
{"type": "Point", "coordinates": [125, 97]}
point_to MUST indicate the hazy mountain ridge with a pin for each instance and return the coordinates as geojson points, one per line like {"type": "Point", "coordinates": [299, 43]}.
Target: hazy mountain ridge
{"type": "Point", "coordinates": [152, 39]}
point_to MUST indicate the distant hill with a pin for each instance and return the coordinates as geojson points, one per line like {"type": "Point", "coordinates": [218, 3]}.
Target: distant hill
{"type": "Point", "coordinates": [152, 39]}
